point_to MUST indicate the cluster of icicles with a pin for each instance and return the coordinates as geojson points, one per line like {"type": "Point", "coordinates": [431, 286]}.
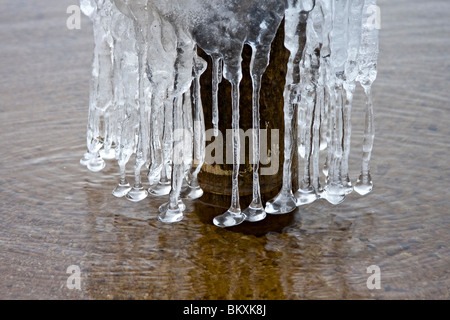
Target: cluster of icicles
{"type": "Point", "coordinates": [145, 94]}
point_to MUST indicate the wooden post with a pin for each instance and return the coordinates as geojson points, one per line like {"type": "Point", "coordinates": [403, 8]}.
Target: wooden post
{"type": "Point", "coordinates": [215, 179]}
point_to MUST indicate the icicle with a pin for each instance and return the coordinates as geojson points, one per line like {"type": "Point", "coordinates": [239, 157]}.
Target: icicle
{"type": "Point", "coordinates": [325, 114]}
{"type": "Point", "coordinates": [368, 56]}
{"type": "Point", "coordinates": [315, 171]}
{"type": "Point", "coordinates": [157, 122]}
{"type": "Point", "coordinates": [335, 191]}
{"type": "Point", "coordinates": [157, 176]}
{"type": "Point", "coordinates": [264, 31]}
{"type": "Point", "coordinates": [351, 72]}
{"type": "Point", "coordinates": [193, 189]}
{"type": "Point", "coordinates": [138, 192]}
{"type": "Point", "coordinates": [125, 91]}
{"type": "Point", "coordinates": [326, 76]}
{"type": "Point", "coordinates": [364, 184]}
{"type": "Point", "coordinates": [216, 79]}
{"type": "Point", "coordinates": [173, 211]}
{"type": "Point", "coordinates": [260, 61]}
{"type": "Point", "coordinates": [188, 133]}
{"type": "Point", "coordinates": [162, 49]}
{"type": "Point", "coordinates": [101, 81]}
{"type": "Point", "coordinates": [309, 70]}
{"type": "Point", "coordinates": [296, 15]}
{"type": "Point", "coordinates": [108, 151]}
{"type": "Point", "coordinates": [233, 73]}
{"type": "Point", "coordinates": [127, 142]}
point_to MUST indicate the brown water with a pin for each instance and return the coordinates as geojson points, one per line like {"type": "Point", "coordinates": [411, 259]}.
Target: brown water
{"type": "Point", "coordinates": [54, 213]}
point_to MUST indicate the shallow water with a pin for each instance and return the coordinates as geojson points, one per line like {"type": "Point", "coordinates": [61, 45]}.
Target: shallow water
{"type": "Point", "coordinates": [54, 213]}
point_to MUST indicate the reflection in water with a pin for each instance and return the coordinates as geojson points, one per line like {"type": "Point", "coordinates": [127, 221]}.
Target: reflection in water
{"type": "Point", "coordinates": [54, 214]}
{"type": "Point", "coordinates": [315, 256]}
{"type": "Point", "coordinates": [131, 256]}
{"type": "Point", "coordinates": [135, 257]}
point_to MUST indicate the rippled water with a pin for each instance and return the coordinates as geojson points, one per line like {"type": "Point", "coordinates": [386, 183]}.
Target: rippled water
{"type": "Point", "coordinates": [54, 213]}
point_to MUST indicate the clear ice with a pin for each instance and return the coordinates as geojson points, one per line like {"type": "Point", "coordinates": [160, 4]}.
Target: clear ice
{"type": "Point", "coordinates": [145, 102]}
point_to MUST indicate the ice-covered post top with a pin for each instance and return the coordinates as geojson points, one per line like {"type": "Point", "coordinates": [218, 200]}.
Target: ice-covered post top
{"type": "Point", "coordinates": [146, 102]}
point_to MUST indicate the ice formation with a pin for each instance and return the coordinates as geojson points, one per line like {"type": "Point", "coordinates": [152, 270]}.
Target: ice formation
{"type": "Point", "coordinates": [145, 98]}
